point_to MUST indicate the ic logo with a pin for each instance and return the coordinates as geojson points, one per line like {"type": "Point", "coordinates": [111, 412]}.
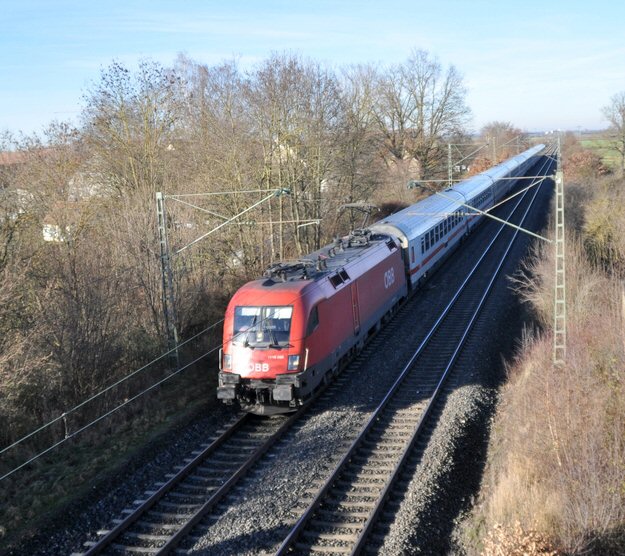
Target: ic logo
{"type": "Point", "coordinates": [389, 278]}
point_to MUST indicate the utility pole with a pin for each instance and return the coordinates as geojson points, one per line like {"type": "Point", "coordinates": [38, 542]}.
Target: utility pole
{"type": "Point", "coordinates": [168, 295]}
{"type": "Point", "coordinates": [559, 309]}
{"type": "Point", "coordinates": [450, 170]}
{"type": "Point", "coordinates": [169, 309]}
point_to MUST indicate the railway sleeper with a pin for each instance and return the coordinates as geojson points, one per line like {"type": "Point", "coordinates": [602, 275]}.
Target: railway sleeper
{"type": "Point", "coordinates": [385, 453]}
{"type": "Point", "coordinates": [330, 515]}
{"type": "Point", "coordinates": [369, 485]}
{"type": "Point", "coordinates": [234, 458]}
{"type": "Point", "coordinates": [390, 442]}
{"type": "Point", "coordinates": [331, 536]}
{"type": "Point", "coordinates": [152, 525]}
{"type": "Point", "coordinates": [372, 462]}
{"type": "Point", "coordinates": [168, 516]}
{"type": "Point", "coordinates": [186, 509]}
{"type": "Point", "coordinates": [370, 458]}
{"type": "Point", "coordinates": [146, 537]}
{"type": "Point", "coordinates": [366, 498]}
{"type": "Point", "coordinates": [218, 466]}
{"type": "Point", "coordinates": [322, 549]}
{"type": "Point", "coordinates": [373, 474]}
{"type": "Point", "coordinates": [206, 481]}
{"type": "Point", "coordinates": [199, 497]}
{"type": "Point", "coordinates": [134, 549]}
{"type": "Point", "coordinates": [322, 524]}
{"type": "Point", "coordinates": [337, 528]}
{"type": "Point", "coordinates": [340, 501]}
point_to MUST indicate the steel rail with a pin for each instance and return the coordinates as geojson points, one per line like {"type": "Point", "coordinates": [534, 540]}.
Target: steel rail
{"type": "Point", "coordinates": [217, 496]}
{"type": "Point", "coordinates": [314, 505]}
{"type": "Point", "coordinates": [141, 510]}
{"type": "Point", "coordinates": [391, 481]}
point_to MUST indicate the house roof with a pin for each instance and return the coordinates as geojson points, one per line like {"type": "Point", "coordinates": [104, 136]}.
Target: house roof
{"type": "Point", "coordinates": [9, 158]}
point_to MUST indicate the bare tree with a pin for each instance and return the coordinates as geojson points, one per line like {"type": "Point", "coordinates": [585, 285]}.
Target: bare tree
{"type": "Point", "coordinates": [131, 126]}
{"type": "Point", "coordinates": [615, 114]}
{"type": "Point", "coordinates": [130, 120]}
{"type": "Point", "coordinates": [223, 156]}
{"type": "Point", "coordinates": [505, 140]}
{"type": "Point", "coordinates": [419, 106]}
{"type": "Point", "coordinates": [295, 106]}
{"type": "Point", "coordinates": [358, 168]}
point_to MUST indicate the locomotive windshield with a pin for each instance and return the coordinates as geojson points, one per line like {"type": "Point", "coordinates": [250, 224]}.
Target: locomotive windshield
{"type": "Point", "coordinates": [264, 327]}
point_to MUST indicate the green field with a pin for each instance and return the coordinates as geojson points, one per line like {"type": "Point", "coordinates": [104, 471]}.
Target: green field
{"type": "Point", "coordinates": [604, 148]}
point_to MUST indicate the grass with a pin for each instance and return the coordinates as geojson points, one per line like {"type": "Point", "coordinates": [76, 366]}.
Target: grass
{"type": "Point", "coordinates": [604, 148]}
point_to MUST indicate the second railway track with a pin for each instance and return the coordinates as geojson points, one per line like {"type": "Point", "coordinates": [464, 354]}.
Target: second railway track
{"type": "Point", "coordinates": [346, 508]}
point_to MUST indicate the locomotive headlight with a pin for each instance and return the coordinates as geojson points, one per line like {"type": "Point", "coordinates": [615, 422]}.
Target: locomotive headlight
{"type": "Point", "coordinates": [227, 361]}
{"type": "Point", "coordinates": [293, 363]}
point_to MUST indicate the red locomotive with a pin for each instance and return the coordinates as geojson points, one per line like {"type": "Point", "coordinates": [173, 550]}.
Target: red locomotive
{"type": "Point", "coordinates": [286, 333]}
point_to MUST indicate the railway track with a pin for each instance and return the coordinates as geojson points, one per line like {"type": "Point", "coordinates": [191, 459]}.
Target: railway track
{"type": "Point", "coordinates": [159, 523]}
{"type": "Point", "coordinates": [192, 491]}
{"type": "Point", "coordinates": [350, 503]}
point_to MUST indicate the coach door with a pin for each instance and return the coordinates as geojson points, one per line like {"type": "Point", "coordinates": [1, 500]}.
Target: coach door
{"type": "Point", "coordinates": [356, 313]}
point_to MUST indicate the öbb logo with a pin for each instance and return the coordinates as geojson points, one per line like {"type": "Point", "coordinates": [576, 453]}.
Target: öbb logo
{"type": "Point", "coordinates": [389, 278]}
{"type": "Point", "coordinates": [259, 367]}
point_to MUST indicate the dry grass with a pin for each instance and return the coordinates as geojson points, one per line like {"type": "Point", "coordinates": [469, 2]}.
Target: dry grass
{"type": "Point", "coordinates": [514, 541]}
{"type": "Point", "coordinates": [556, 471]}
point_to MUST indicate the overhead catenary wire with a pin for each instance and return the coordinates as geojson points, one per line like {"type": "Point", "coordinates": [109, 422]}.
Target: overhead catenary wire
{"type": "Point", "coordinates": [152, 387]}
{"type": "Point", "coordinates": [101, 417]}
{"type": "Point", "coordinates": [126, 402]}
{"type": "Point", "coordinates": [105, 390]}
{"type": "Point", "coordinates": [173, 350]}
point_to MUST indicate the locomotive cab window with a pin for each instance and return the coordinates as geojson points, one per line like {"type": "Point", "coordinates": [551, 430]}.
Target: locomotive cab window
{"type": "Point", "coordinates": [262, 327]}
{"type": "Point", "coordinates": [313, 321]}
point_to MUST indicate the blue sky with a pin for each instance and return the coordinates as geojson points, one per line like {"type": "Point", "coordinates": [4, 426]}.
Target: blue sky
{"type": "Point", "coordinates": [540, 65]}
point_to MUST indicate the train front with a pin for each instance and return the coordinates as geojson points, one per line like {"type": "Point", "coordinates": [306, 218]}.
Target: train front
{"type": "Point", "coordinates": [262, 350]}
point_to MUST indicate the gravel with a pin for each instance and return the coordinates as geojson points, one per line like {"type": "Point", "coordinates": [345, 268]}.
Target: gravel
{"type": "Point", "coordinates": [273, 496]}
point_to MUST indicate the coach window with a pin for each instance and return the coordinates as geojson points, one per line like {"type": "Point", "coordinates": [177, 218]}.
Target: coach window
{"type": "Point", "coordinates": [412, 254]}
{"type": "Point", "coordinates": [422, 245]}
